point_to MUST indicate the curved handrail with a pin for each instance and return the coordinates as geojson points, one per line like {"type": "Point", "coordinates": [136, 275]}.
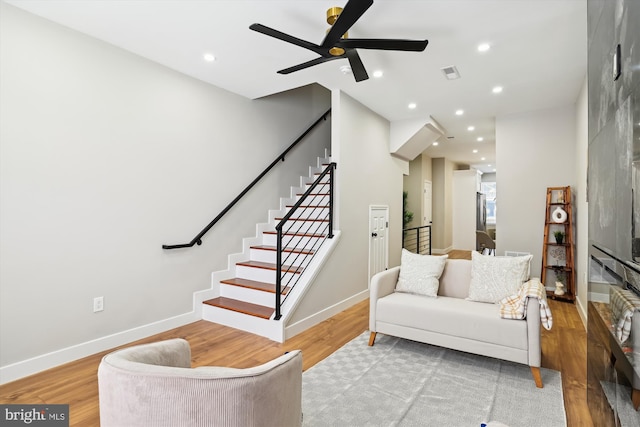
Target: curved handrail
{"type": "Point", "coordinates": [281, 157]}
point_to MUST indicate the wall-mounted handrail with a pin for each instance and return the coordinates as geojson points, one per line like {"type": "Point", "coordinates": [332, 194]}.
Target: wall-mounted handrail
{"type": "Point", "coordinates": [280, 233]}
{"type": "Point", "coordinates": [281, 157]}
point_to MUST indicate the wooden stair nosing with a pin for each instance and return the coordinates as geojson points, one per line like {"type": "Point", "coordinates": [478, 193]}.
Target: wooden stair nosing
{"type": "Point", "coordinates": [271, 266]}
{"type": "Point", "coordinates": [254, 284]}
{"type": "Point", "coordinates": [241, 307]}
{"type": "Point", "coordinates": [292, 250]}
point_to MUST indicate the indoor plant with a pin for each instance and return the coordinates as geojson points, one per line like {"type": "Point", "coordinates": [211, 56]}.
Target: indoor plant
{"type": "Point", "coordinates": [559, 235]}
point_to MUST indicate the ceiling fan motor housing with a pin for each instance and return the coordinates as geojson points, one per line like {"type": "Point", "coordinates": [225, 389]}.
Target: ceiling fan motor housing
{"type": "Point", "coordinates": [332, 17]}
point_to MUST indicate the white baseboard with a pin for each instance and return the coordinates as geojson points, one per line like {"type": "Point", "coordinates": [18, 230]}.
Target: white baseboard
{"type": "Point", "coordinates": [306, 323]}
{"type": "Point", "coordinates": [599, 297]}
{"type": "Point", "coordinates": [43, 362]}
{"type": "Point", "coordinates": [582, 312]}
{"type": "Point", "coordinates": [438, 251]}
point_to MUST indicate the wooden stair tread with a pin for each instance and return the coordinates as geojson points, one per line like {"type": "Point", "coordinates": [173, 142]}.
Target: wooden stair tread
{"type": "Point", "coordinates": [270, 266]}
{"type": "Point", "coordinates": [254, 284]}
{"type": "Point", "coordinates": [241, 307]}
{"type": "Point", "coordinates": [292, 250]}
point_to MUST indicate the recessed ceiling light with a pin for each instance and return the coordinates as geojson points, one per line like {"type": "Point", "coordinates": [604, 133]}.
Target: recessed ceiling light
{"type": "Point", "coordinates": [435, 144]}
{"type": "Point", "coordinates": [489, 165]}
{"type": "Point", "coordinates": [459, 112]}
{"type": "Point", "coordinates": [377, 74]}
{"type": "Point", "coordinates": [412, 106]}
{"type": "Point", "coordinates": [497, 89]}
{"type": "Point", "coordinates": [484, 47]}
{"type": "Point", "coordinates": [208, 57]}
{"type": "Point", "coordinates": [494, 169]}
{"type": "Point", "coordinates": [483, 158]}
{"type": "Point", "coordinates": [475, 151]}
{"type": "Point", "coordinates": [480, 139]}
{"type": "Point", "coordinates": [470, 128]}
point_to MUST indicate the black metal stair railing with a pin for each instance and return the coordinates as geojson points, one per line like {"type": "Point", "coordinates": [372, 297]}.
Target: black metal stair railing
{"type": "Point", "coordinates": [198, 239]}
{"type": "Point", "coordinates": [301, 232]}
{"type": "Point", "coordinates": [417, 239]}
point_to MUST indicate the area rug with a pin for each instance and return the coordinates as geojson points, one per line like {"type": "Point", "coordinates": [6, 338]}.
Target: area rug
{"type": "Point", "coordinates": [399, 382]}
{"type": "Point", "coordinates": [619, 397]}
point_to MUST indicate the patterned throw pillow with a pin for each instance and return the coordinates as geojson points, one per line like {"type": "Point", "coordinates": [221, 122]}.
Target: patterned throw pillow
{"type": "Point", "coordinates": [419, 274]}
{"type": "Point", "coordinates": [496, 277]}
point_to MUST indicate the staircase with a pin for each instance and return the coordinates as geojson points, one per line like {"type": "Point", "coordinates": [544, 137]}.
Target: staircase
{"type": "Point", "coordinates": [244, 295]}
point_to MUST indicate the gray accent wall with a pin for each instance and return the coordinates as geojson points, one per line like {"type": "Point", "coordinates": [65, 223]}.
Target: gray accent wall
{"type": "Point", "coordinates": [104, 157]}
{"type": "Point", "coordinates": [611, 121]}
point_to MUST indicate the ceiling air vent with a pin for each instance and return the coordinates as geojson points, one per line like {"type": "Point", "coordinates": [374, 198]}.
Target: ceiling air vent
{"type": "Point", "coordinates": [451, 72]}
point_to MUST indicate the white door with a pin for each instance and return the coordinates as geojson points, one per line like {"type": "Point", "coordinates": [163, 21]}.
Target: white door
{"type": "Point", "coordinates": [427, 204]}
{"type": "Point", "coordinates": [378, 239]}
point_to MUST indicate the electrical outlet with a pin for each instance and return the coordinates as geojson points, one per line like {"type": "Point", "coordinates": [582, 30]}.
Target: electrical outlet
{"type": "Point", "coordinates": [98, 304]}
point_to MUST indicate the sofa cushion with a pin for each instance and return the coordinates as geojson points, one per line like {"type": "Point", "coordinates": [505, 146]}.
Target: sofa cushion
{"type": "Point", "coordinates": [419, 274]}
{"type": "Point", "coordinates": [455, 278]}
{"type": "Point", "coordinates": [453, 316]}
{"type": "Point", "coordinates": [494, 278]}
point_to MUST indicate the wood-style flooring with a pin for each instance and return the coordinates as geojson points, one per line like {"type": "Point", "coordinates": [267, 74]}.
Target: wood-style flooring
{"type": "Point", "coordinates": [564, 348]}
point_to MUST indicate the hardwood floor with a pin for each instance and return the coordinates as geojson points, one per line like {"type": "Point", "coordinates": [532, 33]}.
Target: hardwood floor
{"type": "Point", "coordinates": [563, 349]}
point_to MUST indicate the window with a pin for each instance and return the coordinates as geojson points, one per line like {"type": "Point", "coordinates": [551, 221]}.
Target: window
{"type": "Point", "coordinates": [489, 189]}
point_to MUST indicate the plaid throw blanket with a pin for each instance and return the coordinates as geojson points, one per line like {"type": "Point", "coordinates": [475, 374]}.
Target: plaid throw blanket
{"type": "Point", "coordinates": [623, 304]}
{"type": "Point", "coordinates": [515, 306]}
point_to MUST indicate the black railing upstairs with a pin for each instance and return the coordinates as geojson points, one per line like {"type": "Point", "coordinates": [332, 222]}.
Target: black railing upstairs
{"type": "Point", "coordinates": [198, 239]}
{"type": "Point", "coordinates": [301, 232]}
{"type": "Point", "coordinates": [417, 239]}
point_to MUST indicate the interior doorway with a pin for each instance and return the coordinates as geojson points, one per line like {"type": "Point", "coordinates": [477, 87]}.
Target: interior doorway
{"type": "Point", "coordinates": [378, 239]}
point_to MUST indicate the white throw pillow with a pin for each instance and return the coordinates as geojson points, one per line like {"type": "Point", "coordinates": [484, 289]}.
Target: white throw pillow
{"type": "Point", "coordinates": [497, 277]}
{"type": "Point", "coordinates": [419, 274]}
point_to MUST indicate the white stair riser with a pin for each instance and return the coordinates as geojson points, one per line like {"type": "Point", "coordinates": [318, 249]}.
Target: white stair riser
{"type": "Point", "coordinates": [260, 274]}
{"type": "Point", "coordinates": [292, 241]}
{"type": "Point", "coordinates": [315, 199]}
{"type": "Point", "coordinates": [255, 325]}
{"type": "Point", "coordinates": [306, 227]}
{"type": "Point", "coordinates": [311, 213]}
{"type": "Point", "coordinates": [288, 258]}
{"type": "Point", "coordinates": [252, 296]}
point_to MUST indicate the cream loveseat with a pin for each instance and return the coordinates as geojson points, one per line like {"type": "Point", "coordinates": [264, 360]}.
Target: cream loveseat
{"type": "Point", "coordinates": [453, 321]}
{"type": "Point", "coordinates": [154, 385]}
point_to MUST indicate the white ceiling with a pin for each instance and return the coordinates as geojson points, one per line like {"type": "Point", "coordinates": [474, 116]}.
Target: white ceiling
{"type": "Point", "coordinates": [538, 53]}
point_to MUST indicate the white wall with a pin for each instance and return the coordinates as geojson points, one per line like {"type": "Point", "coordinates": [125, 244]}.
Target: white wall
{"type": "Point", "coordinates": [582, 209]}
{"type": "Point", "coordinates": [374, 180]}
{"type": "Point", "coordinates": [534, 150]}
{"type": "Point", "coordinates": [104, 157]}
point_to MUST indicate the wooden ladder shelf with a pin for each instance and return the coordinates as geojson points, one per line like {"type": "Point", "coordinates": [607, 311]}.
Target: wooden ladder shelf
{"type": "Point", "coordinates": [557, 255]}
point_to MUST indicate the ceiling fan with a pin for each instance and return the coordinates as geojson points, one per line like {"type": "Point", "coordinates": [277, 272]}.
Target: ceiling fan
{"type": "Point", "coordinates": [337, 45]}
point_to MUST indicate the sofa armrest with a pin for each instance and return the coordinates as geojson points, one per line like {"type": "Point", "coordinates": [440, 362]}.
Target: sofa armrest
{"type": "Point", "coordinates": [382, 284]}
{"type": "Point", "coordinates": [533, 332]}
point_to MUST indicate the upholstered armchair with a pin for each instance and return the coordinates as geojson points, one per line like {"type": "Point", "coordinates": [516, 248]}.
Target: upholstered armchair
{"type": "Point", "coordinates": [154, 385]}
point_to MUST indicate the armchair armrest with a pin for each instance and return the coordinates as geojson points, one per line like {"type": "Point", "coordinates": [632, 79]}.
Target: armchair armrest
{"type": "Point", "coordinates": [533, 331]}
{"type": "Point", "coordinates": [382, 284]}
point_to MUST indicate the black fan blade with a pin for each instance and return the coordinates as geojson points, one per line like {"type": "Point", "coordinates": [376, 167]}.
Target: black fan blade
{"type": "Point", "coordinates": [308, 64]}
{"type": "Point", "coordinates": [286, 37]}
{"type": "Point", "coordinates": [352, 11]}
{"type": "Point", "coordinates": [357, 67]}
{"type": "Point", "coordinates": [384, 44]}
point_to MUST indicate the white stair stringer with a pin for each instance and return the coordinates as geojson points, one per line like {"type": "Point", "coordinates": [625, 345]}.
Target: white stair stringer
{"type": "Point", "coordinates": [265, 236]}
